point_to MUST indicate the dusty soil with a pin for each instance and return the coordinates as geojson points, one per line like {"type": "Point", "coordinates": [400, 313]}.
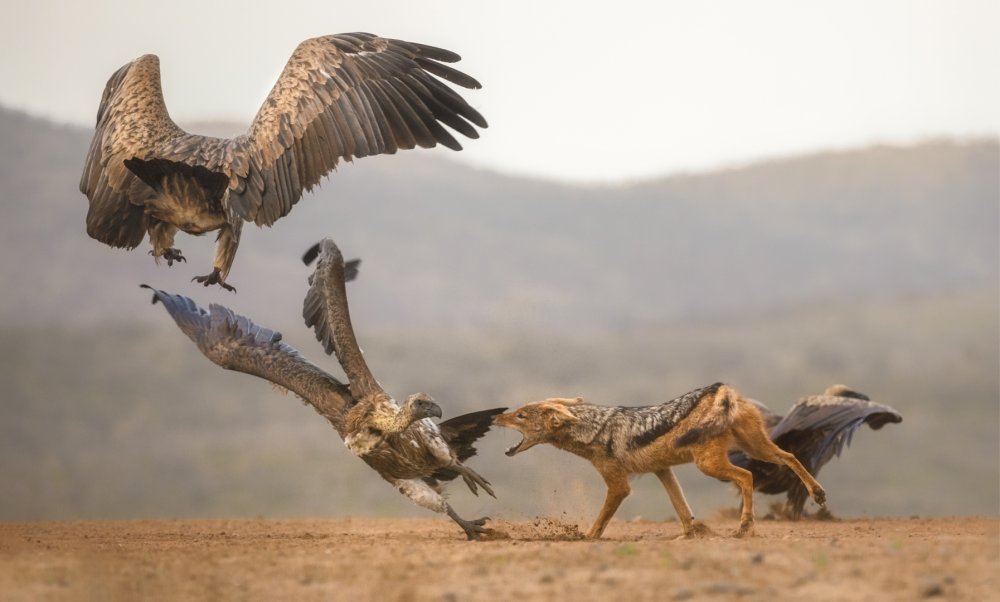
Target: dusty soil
{"type": "Point", "coordinates": [428, 559]}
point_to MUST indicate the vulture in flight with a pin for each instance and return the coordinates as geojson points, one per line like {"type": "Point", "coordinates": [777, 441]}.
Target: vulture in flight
{"type": "Point", "coordinates": [816, 429]}
{"type": "Point", "coordinates": [401, 442]}
{"type": "Point", "coordinates": [338, 97]}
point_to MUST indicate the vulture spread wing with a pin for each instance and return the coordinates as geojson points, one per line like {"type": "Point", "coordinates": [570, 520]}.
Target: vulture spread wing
{"type": "Point", "coordinates": [235, 343]}
{"type": "Point", "coordinates": [345, 96]}
{"type": "Point", "coordinates": [816, 429]}
{"type": "Point", "coordinates": [326, 311]}
{"type": "Point", "coordinates": [835, 418]}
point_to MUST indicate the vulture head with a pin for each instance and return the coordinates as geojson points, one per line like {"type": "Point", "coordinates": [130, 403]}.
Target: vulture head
{"type": "Point", "coordinates": [419, 406]}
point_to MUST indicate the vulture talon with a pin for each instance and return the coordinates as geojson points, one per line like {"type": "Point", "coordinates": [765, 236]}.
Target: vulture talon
{"type": "Point", "coordinates": [474, 528]}
{"type": "Point", "coordinates": [171, 255]}
{"type": "Point", "coordinates": [213, 278]}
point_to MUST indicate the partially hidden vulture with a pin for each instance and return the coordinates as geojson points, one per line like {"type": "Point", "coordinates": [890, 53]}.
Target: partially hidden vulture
{"type": "Point", "coordinates": [816, 429]}
{"type": "Point", "coordinates": [338, 97]}
{"type": "Point", "coordinates": [401, 443]}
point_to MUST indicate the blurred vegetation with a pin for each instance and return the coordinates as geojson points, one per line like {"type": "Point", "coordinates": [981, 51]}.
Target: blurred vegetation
{"type": "Point", "coordinates": [131, 421]}
{"type": "Point", "coordinates": [877, 268]}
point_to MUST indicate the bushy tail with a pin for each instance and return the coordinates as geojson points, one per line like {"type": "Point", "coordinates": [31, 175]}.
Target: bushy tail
{"type": "Point", "coordinates": [717, 420]}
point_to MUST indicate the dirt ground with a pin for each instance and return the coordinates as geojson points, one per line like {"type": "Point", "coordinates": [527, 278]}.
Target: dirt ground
{"type": "Point", "coordinates": [428, 559]}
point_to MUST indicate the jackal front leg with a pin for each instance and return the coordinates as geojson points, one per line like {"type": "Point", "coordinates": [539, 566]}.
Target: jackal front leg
{"type": "Point", "coordinates": [618, 490]}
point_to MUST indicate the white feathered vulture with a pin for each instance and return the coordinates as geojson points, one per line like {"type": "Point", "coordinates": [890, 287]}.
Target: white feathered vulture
{"type": "Point", "coordinates": [400, 442]}
{"type": "Point", "coordinates": [338, 97]}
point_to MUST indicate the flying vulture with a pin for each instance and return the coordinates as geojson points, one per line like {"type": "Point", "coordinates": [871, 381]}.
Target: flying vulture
{"type": "Point", "coordinates": [816, 429]}
{"type": "Point", "coordinates": [338, 97]}
{"type": "Point", "coordinates": [400, 442]}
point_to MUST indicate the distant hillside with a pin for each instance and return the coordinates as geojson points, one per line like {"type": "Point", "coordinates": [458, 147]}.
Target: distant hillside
{"type": "Point", "coordinates": [447, 245]}
{"type": "Point", "coordinates": [878, 268]}
{"type": "Point", "coordinates": [131, 421]}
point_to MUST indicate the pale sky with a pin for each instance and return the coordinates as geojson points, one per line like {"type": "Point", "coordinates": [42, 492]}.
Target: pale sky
{"type": "Point", "coordinates": [572, 90]}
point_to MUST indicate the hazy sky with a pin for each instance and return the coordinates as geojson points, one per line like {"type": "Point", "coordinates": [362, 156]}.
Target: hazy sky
{"type": "Point", "coordinates": [572, 90]}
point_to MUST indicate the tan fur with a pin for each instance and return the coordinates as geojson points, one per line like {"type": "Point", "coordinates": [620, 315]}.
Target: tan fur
{"type": "Point", "coordinates": [552, 420]}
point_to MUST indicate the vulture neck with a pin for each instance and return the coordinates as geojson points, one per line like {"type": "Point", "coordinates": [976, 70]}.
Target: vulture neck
{"type": "Point", "coordinates": [375, 420]}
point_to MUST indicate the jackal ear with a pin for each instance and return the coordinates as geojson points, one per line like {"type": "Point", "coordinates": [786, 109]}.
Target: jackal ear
{"type": "Point", "coordinates": [565, 401]}
{"type": "Point", "coordinates": [556, 415]}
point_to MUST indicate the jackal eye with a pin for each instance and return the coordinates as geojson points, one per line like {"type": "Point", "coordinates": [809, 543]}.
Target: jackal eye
{"type": "Point", "coordinates": [520, 415]}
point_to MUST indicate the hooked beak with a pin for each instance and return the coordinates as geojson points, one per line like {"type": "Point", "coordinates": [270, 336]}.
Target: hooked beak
{"type": "Point", "coordinates": [434, 410]}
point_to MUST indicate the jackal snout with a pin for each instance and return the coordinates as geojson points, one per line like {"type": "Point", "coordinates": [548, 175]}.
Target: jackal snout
{"type": "Point", "coordinates": [538, 422]}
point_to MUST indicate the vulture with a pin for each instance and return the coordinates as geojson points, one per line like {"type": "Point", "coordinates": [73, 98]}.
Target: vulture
{"type": "Point", "coordinates": [816, 429]}
{"type": "Point", "coordinates": [400, 442]}
{"type": "Point", "coordinates": [338, 97]}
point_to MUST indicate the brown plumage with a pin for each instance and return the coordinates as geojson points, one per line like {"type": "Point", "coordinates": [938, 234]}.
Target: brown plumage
{"type": "Point", "coordinates": [339, 97]}
{"type": "Point", "coordinates": [816, 429]}
{"type": "Point", "coordinates": [400, 442]}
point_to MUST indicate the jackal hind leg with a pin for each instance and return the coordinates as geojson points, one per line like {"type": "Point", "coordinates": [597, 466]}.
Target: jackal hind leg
{"type": "Point", "coordinates": [759, 446]}
{"type": "Point", "coordinates": [692, 528]}
{"type": "Point", "coordinates": [713, 460]}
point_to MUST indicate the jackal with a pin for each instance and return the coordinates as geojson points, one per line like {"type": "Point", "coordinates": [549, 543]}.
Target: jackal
{"type": "Point", "coordinates": [700, 427]}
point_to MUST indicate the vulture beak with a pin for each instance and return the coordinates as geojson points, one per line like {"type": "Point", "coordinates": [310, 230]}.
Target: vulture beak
{"type": "Point", "coordinates": [434, 410]}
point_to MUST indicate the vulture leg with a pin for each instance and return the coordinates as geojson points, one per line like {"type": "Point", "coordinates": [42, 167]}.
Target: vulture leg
{"type": "Point", "coordinates": [225, 253]}
{"type": "Point", "coordinates": [473, 528]}
{"type": "Point", "coordinates": [161, 236]}
{"type": "Point", "coordinates": [428, 497]}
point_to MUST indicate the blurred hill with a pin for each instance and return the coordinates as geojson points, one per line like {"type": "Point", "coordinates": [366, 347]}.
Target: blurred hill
{"type": "Point", "coordinates": [877, 267]}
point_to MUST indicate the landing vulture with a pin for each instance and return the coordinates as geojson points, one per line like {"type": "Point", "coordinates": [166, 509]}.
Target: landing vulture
{"type": "Point", "coordinates": [338, 97]}
{"type": "Point", "coordinates": [399, 441]}
{"type": "Point", "coordinates": [816, 429]}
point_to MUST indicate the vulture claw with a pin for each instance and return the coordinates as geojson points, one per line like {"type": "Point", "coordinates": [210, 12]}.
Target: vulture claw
{"type": "Point", "coordinates": [473, 528]}
{"type": "Point", "coordinates": [171, 255]}
{"type": "Point", "coordinates": [473, 478]}
{"type": "Point", "coordinates": [213, 278]}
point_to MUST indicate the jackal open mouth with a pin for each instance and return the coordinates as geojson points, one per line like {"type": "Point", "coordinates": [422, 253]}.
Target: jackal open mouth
{"type": "Point", "coordinates": [513, 449]}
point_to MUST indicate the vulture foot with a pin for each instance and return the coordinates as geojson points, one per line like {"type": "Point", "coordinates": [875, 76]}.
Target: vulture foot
{"type": "Point", "coordinates": [473, 478]}
{"type": "Point", "coordinates": [473, 528]}
{"type": "Point", "coordinates": [213, 278]}
{"type": "Point", "coordinates": [171, 255]}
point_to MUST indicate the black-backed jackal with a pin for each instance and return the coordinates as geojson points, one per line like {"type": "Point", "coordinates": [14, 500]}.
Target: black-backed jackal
{"type": "Point", "coordinates": [700, 427]}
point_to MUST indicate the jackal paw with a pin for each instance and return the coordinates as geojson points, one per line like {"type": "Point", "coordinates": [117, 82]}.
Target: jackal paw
{"type": "Point", "coordinates": [819, 496]}
{"type": "Point", "coordinates": [213, 278]}
{"type": "Point", "coordinates": [697, 530]}
{"type": "Point", "coordinates": [745, 530]}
